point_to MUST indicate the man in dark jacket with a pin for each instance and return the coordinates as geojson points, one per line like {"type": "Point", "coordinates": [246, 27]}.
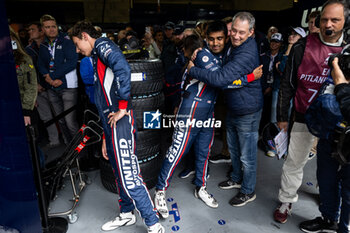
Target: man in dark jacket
{"type": "Point", "coordinates": [169, 52]}
{"type": "Point", "coordinates": [173, 70]}
{"type": "Point", "coordinates": [57, 63]}
{"type": "Point", "coordinates": [43, 105]}
{"type": "Point", "coordinates": [306, 70]}
{"type": "Point", "coordinates": [112, 97]}
{"type": "Point", "coordinates": [244, 106]}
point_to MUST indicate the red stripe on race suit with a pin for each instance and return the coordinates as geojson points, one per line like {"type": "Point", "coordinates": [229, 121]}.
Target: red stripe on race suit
{"type": "Point", "coordinates": [101, 72]}
{"type": "Point", "coordinates": [206, 161]}
{"type": "Point", "coordinates": [184, 148]}
{"type": "Point", "coordinates": [205, 85]}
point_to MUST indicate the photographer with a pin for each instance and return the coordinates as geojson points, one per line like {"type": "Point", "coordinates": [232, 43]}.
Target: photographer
{"type": "Point", "coordinates": [342, 90]}
{"type": "Point", "coordinates": [333, 176]}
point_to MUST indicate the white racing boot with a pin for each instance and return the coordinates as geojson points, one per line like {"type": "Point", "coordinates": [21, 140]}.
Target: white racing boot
{"type": "Point", "coordinates": [160, 203]}
{"type": "Point", "coordinates": [207, 198]}
{"type": "Point", "coordinates": [156, 228]}
{"type": "Point", "coordinates": [124, 219]}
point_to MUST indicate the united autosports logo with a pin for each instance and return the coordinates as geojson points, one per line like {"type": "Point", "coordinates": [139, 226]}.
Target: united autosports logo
{"type": "Point", "coordinates": [151, 120]}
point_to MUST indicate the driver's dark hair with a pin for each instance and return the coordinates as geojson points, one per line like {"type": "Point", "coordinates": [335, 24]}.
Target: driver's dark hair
{"type": "Point", "coordinates": [217, 26]}
{"type": "Point", "coordinates": [192, 42]}
{"type": "Point", "coordinates": [84, 26]}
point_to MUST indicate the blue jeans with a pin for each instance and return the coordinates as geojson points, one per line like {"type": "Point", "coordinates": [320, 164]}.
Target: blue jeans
{"type": "Point", "coordinates": [242, 139]}
{"type": "Point", "coordinates": [274, 106]}
{"type": "Point", "coordinates": [334, 184]}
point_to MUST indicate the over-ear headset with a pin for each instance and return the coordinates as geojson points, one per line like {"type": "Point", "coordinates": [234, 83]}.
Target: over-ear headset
{"type": "Point", "coordinates": [347, 18]}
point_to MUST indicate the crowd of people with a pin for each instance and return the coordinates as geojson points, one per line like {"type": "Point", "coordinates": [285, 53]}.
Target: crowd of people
{"type": "Point", "coordinates": [222, 67]}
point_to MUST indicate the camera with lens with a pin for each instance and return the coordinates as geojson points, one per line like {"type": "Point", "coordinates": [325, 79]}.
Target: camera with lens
{"type": "Point", "coordinates": [343, 61]}
{"type": "Point", "coordinates": [341, 140]}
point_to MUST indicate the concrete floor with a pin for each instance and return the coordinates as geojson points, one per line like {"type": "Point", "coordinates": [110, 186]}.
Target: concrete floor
{"type": "Point", "coordinates": [97, 205]}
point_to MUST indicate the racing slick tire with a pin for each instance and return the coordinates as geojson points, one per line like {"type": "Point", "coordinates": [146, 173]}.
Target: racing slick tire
{"type": "Point", "coordinates": [146, 76]}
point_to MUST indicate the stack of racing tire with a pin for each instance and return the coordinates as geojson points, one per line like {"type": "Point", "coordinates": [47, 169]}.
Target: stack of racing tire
{"type": "Point", "coordinates": [147, 96]}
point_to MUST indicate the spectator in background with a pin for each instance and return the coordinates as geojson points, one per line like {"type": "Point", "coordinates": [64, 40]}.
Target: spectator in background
{"type": "Point", "coordinates": [294, 36]}
{"type": "Point", "coordinates": [36, 34]}
{"type": "Point", "coordinates": [98, 28]}
{"type": "Point", "coordinates": [57, 63]}
{"type": "Point", "coordinates": [228, 22]}
{"type": "Point", "coordinates": [199, 26]}
{"type": "Point", "coordinates": [311, 22]}
{"type": "Point", "coordinates": [189, 31]}
{"type": "Point", "coordinates": [159, 37]}
{"type": "Point", "coordinates": [169, 52]}
{"type": "Point", "coordinates": [151, 45]}
{"type": "Point", "coordinates": [133, 41]}
{"type": "Point", "coordinates": [121, 37]}
{"type": "Point", "coordinates": [110, 35]}
{"type": "Point", "coordinates": [270, 82]}
{"type": "Point", "coordinates": [178, 37]}
{"type": "Point", "coordinates": [265, 43]}
{"type": "Point", "coordinates": [272, 30]}
{"type": "Point", "coordinates": [26, 76]}
{"type": "Point", "coordinates": [23, 36]}
{"type": "Point", "coordinates": [173, 67]}
{"type": "Point", "coordinates": [150, 29]}
{"type": "Point", "coordinates": [128, 28]}
{"type": "Point", "coordinates": [306, 70]}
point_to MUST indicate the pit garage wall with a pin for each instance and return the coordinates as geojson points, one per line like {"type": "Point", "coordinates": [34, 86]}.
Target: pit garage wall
{"type": "Point", "coordinates": [18, 198]}
{"type": "Point", "coordinates": [107, 11]}
{"type": "Point", "coordinates": [118, 11]}
{"type": "Point", "coordinates": [235, 5]}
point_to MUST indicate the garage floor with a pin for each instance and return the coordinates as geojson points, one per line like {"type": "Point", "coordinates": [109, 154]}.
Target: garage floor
{"type": "Point", "coordinates": [97, 205]}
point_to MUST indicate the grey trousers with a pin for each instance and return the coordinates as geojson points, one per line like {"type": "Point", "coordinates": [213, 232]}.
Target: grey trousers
{"type": "Point", "coordinates": [62, 100]}
{"type": "Point", "coordinates": [45, 113]}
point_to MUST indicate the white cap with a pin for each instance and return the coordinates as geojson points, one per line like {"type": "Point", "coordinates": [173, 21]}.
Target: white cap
{"type": "Point", "coordinates": [300, 31]}
{"type": "Point", "coordinates": [276, 37]}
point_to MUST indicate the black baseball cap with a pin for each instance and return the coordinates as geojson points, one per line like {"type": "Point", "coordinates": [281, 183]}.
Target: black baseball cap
{"type": "Point", "coordinates": [169, 25]}
{"type": "Point", "coordinates": [178, 29]}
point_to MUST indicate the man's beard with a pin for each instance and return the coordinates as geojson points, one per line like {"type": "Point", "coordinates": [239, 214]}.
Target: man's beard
{"type": "Point", "coordinates": [178, 43]}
